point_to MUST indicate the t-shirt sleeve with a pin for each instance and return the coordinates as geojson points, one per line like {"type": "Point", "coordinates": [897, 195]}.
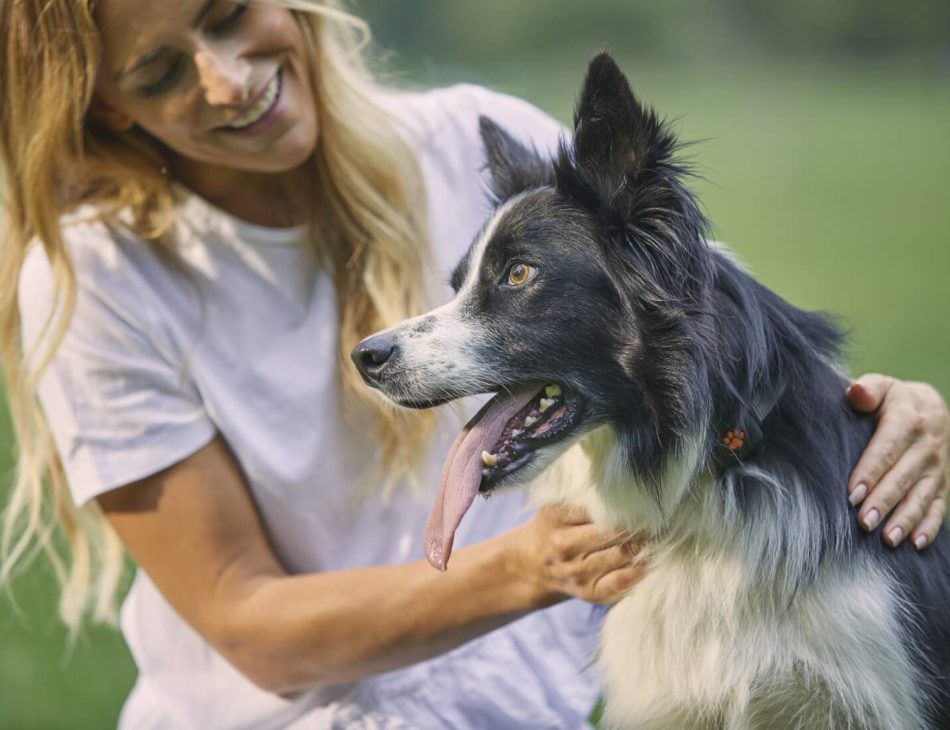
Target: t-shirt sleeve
{"type": "Point", "coordinates": [119, 404]}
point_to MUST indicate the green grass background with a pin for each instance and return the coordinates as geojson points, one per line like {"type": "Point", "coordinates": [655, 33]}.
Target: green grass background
{"type": "Point", "coordinates": [830, 179]}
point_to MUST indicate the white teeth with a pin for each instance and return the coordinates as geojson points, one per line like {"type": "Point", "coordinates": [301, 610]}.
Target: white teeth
{"type": "Point", "coordinates": [545, 403]}
{"type": "Point", "coordinates": [486, 472]}
{"type": "Point", "coordinates": [530, 421]}
{"type": "Point", "coordinates": [263, 105]}
{"type": "Point", "coordinates": [516, 433]}
{"type": "Point", "coordinates": [552, 391]}
{"type": "Point", "coordinates": [489, 459]}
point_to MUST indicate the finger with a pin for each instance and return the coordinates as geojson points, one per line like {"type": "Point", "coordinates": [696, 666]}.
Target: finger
{"type": "Point", "coordinates": [581, 573]}
{"type": "Point", "coordinates": [911, 510]}
{"type": "Point", "coordinates": [599, 563]}
{"type": "Point", "coordinates": [867, 393]}
{"type": "Point", "coordinates": [612, 586]}
{"type": "Point", "coordinates": [607, 541]}
{"type": "Point", "coordinates": [579, 541]}
{"type": "Point", "coordinates": [889, 442]}
{"type": "Point", "coordinates": [567, 514]}
{"type": "Point", "coordinates": [911, 467]}
{"type": "Point", "coordinates": [575, 542]}
{"type": "Point", "coordinates": [929, 527]}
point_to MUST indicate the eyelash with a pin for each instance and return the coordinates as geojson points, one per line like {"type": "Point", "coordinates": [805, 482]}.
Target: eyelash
{"type": "Point", "coordinates": [222, 27]}
{"type": "Point", "coordinates": [164, 82]}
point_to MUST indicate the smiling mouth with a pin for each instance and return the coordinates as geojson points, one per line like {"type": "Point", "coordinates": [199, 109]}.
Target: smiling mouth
{"type": "Point", "coordinates": [262, 107]}
{"type": "Point", "coordinates": [544, 420]}
{"type": "Point", "coordinates": [502, 439]}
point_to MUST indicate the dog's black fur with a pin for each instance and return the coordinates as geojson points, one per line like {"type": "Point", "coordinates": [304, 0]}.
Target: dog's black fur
{"type": "Point", "coordinates": [668, 341]}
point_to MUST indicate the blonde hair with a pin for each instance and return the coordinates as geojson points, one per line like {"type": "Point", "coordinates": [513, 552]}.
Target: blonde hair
{"type": "Point", "coordinates": [56, 157]}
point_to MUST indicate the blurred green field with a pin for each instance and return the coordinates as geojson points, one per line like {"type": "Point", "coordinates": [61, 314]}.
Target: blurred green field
{"type": "Point", "coordinates": [830, 181]}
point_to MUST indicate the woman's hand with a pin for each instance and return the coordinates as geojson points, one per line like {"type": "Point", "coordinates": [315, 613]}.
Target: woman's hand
{"type": "Point", "coordinates": [564, 554]}
{"type": "Point", "coordinates": [905, 463]}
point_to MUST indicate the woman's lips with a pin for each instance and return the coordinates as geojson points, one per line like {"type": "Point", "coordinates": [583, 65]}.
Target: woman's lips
{"type": "Point", "coordinates": [261, 113]}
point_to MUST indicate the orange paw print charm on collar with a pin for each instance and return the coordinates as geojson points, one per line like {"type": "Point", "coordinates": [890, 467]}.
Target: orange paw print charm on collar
{"type": "Point", "coordinates": [733, 445]}
{"type": "Point", "coordinates": [734, 439]}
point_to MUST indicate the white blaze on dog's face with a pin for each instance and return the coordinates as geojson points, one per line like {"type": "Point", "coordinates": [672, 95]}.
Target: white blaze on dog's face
{"type": "Point", "coordinates": [436, 356]}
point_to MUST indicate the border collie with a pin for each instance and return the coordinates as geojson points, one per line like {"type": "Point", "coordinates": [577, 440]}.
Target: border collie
{"type": "Point", "coordinates": [713, 415]}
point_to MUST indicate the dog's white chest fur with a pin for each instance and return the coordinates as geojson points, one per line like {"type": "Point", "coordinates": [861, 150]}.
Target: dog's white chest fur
{"type": "Point", "coordinates": [699, 643]}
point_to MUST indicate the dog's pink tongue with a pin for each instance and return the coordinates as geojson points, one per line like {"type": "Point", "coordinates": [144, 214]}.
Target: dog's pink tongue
{"type": "Point", "coordinates": [462, 472]}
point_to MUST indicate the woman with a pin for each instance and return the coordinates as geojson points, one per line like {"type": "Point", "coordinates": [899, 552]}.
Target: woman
{"type": "Point", "coordinates": [223, 204]}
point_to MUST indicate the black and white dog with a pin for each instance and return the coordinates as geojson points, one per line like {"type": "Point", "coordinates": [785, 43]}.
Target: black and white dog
{"type": "Point", "coordinates": [713, 415]}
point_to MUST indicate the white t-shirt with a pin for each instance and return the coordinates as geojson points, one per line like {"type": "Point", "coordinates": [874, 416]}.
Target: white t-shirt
{"type": "Point", "coordinates": [155, 363]}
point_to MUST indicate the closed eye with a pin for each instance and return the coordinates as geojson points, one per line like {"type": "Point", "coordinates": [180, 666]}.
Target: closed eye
{"type": "Point", "coordinates": [173, 70]}
{"type": "Point", "coordinates": [165, 81]}
{"type": "Point", "coordinates": [222, 26]}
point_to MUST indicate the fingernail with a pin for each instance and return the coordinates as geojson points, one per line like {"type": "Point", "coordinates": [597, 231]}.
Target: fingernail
{"type": "Point", "coordinates": [895, 536]}
{"type": "Point", "coordinates": [871, 519]}
{"type": "Point", "coordinates": [858, 493]}
{"type": "Point", "coordinates": [920, 542]}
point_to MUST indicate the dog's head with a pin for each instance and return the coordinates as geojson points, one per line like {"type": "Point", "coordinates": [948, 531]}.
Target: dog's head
{"type": "Point", "coordinates": [570, 304]}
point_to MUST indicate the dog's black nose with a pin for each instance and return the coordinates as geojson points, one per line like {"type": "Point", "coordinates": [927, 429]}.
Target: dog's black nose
{"type": "Point", "coordinates": [371, 357]}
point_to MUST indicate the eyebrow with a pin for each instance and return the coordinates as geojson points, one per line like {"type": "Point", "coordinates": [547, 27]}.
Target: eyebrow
{"type": "Point", "coordinates": [152, 55]}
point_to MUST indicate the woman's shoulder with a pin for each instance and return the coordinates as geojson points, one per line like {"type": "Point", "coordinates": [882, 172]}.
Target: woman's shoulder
{"type": "Point", "coordinates": [450, 116]}
{"type": "Point", "coordinates": [89, 242]}
{"type": "Point", "coordinates": [105, 258]}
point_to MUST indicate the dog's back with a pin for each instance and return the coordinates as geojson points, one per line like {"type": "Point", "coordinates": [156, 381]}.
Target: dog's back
{"type": "Point", "coordinates": [811, 442]}
{"type": "Point", "coordinates": [766, 605]}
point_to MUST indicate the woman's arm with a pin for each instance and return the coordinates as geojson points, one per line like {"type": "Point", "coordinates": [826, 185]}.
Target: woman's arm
{"type": "Point", "coordinates": [905, 463]}
{"type": "Point", "coordinates": [194, 529]}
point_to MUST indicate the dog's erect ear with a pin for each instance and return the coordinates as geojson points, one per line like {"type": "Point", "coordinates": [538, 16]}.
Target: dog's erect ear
{"type": "Point", "coordinates": [622, 165]}
{"type": "Point", "coordinates": [615, 137]}
{"type": "Point", "coordinates": [514, 167]}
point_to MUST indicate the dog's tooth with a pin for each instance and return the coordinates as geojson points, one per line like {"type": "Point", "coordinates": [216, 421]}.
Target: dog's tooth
{"type": "Point", "coordinates": [489, 459]}
{"type": "Point", "coordinates": [486, 472]}
{"type": "Point", "coordinates": [545, 403]}
{"type": "Point", "coordinates": [516, 433]}
{"type": "Point", "coordinates": [530, 421]}
{"type": "Point", "coordinates": [552, 391]}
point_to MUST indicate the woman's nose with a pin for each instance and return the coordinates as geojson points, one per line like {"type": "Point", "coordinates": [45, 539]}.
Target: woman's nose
{"type": "Point", "coordinates": [225, 81]}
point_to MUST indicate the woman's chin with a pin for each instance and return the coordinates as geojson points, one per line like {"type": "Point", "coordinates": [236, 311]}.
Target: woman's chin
{"type": "Point", "coordinates": [286, 154]}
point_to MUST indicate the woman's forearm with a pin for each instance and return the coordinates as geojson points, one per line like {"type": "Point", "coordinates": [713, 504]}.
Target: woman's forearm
{"type": "Point", "coordinates": [292, 632]}
{"type": "Point", "coordinates": [194, 529]}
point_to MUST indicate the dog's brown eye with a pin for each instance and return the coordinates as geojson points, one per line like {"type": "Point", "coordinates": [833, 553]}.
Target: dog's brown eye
{"type": "Point", "coordinates": [518, 274]}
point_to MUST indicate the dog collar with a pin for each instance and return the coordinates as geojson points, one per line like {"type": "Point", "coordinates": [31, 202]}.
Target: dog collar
{"type": "Point", "coordinates": [736, 442]}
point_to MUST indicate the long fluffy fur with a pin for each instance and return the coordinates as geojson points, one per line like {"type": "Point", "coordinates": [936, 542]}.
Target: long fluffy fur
{"type": "Point", "coordinates": [765, 606]}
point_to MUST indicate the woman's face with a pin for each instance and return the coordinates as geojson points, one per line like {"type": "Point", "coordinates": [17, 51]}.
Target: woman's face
{"type": "Point", "coordinates": [216, 81]}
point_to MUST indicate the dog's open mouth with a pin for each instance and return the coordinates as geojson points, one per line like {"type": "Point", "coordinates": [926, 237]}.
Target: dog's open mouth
{"type": "Point", "coordinates": [499, 441]}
